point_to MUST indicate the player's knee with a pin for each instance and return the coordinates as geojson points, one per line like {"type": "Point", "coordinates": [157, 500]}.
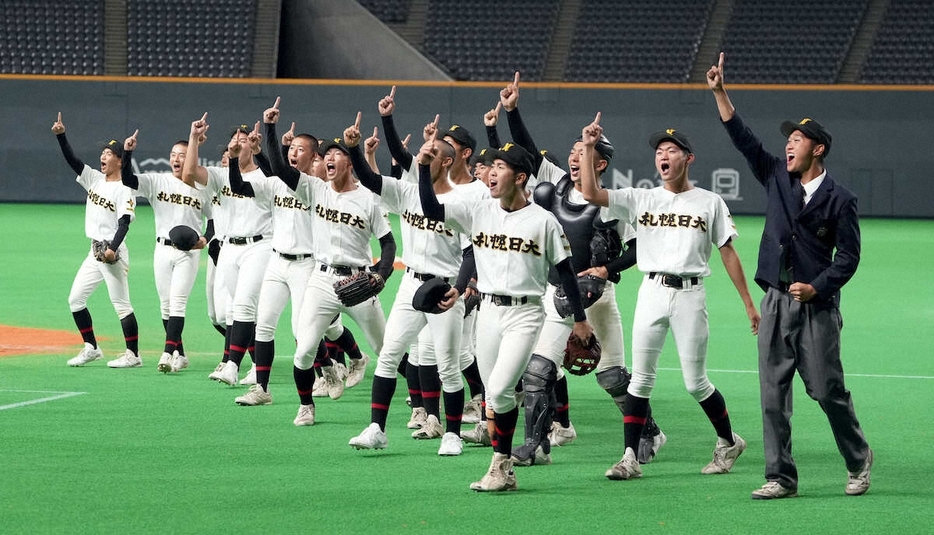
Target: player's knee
{"type": "Point", "coordinates": [700, 389]}
{"type": "Point", "coordinates": [641, 385]}
{"type": "Point", "coordinates": [122, 308]}
{"type": "Point", "coordinates": [614, 381]}
{"type": "Point", "coordinates": [265, 332]}
{"type": "Point", "coordinates": [540, 375]}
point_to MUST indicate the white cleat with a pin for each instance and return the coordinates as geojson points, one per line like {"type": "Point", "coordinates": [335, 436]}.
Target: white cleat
{"type": "Point", "coordinates": [127, 360]}
{"type": "Point", "coordinates": [334, 377]}
{"type": "Point", "coordinates": [725, 455]}
{"type": "Point", "coordinates": [472, 410]}
{"type": "Point", "coordinates": [627, 467]}
{"type": "Point", "coordinates": [227, 374]}
{"type": "Point", "coordinates": [165, 363]}
{"type": "Point", "coordinates": [179, 362]}
{"type": "Point", "coordinates": [418, 418]}
{"type": "Point", "coordinates": [88, 354]}
{"type": "Point", "coordinates": [451, 445]}
{"type": "Point", "coordinates": [306, 415]}
{"type": "Point", "coordinates": [500, 477]}
{"type": "Point", "coordinates": [320, 388]}
{"type": "Point", "coordinates": [255, 396]}
{"type": "Point", "coordinates": [250, 378]}
{"type": "Point", "coordinates": [561, 436]}
{"type": "Point", "coordinates": [431, 429]}
{"type": "Point", "coordinates": [372, 438]}
{"type": "Point", "coordinates": [357, 370]}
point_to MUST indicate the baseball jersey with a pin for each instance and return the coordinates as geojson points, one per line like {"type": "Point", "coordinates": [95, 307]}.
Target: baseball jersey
{"type": "Point", "coordinates": [513, 250]}
{"type": "Point", "coordinates": [291, 219]}
{"type": "Point", "coordinates": [107, 202]}
{"type": "Point", "coordinates": [675, 231]}
{"type": "Point", "coordinates": [428, 246]}
{"type": "Point", "coordinates": [342, 222]}
{"type": "Point", "coordinates": [242, 216]}
{"type": "Point", "coordinates": [173, 202]}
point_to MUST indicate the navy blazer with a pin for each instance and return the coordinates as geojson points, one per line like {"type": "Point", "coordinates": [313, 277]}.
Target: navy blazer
{"type": "Point", "coordinates": [804, 235]}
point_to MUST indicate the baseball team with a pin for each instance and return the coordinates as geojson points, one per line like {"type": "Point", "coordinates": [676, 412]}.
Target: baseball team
{"type": "Point", "coordinates": [509, 261]}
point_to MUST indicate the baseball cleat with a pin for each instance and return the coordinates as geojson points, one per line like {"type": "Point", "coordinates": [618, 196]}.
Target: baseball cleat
{"type": "Point", "coordinates": [88, 354]}
{"type": "Point", "coordinates": [372, 438]}
{"type": "Point", "coordinates": [356, 371]}
{"type": "Point", "coordinates": [255, 396]}
{"type": "Point", "coordinates": [334, 378]}
{"type": "Point", "coordinates": [651, 441]}
{"type": "Point", "coordinates": [478, 435]}
{"type": "Point", "coordinates": [472, 410]}
{"type": "Point", "coordinates": [773, 490]}
{"type": "Point", "coordinates": [499, 478]}
{"type": "Point", "coordinates": [227, 373]}
{"type": "Point", "coordinates": [179, 362]}
{"type": "Point", "coordinates": [217, 369]}
{"type": "Point", "coordinates": [725, 455]}
{"type": "Point", "coordinates": [126, 360]}
{"type": "Point", "coordinates": [250, 378]}
{"type": "Point", "coordinates": [306, 415]}
{"type": "Point", "coordinates": [626, 468]}
{"type": "Point", "coordinates": [165, 363]}
{"type": "Point", "coordinates": [451, 445]}
{"type": "Point", "coordinates": [418, 418]}
{"type": "Point", "coordinates": [320, 388]}
{"type": "Point", "coordinates": [431, 429]}
{"type": "Point", "coordinates": [530, 455]}
{"type": "Point", "coordinates": [561, 436]}
{"type": "Point", "coordinates": [858, 482]}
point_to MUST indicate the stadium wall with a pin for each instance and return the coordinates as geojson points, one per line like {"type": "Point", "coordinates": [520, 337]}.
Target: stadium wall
{"type": "Point", "coordinates": [881, 147]}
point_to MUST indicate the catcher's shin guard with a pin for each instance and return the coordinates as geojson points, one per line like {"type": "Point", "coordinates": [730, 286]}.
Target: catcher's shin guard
{"type": "Point", "coordinates": [615, 381]}
{"type": "Point", "coordinates": [539, 384]}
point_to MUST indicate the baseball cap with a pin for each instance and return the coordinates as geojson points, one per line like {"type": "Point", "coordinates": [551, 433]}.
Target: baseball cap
{"type": "Point", "coordinates": [550, 156]}
{"type": "Point", "coordinates": [115, 147]}
{"type": "Point", "coordinates": [672, 135]}
{"type": "Point", "coordinates": [517, 157]}
{"type": "Point", "coordinates": [604, 147]}
{"type": "Point", "coordinates": [810, 128]}
{"type": "Point", "coordinates": [429, 295]}
{"type": "Point", "coordinates": [461, 135]}
{"type": "Point", "coordinates": [184, 237]}
{"type": "Point", "coordinates": [486, 156]}
{"type": "Point", "coordinates": [327, 144]}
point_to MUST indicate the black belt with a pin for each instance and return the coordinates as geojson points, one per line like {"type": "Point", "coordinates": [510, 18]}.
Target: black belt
{"type": "Point", "coordinates": [506, 300]}
{"type": "Point", "coordinates": [165, 241]}
{"type": "Point", "coordinates": [293, 257]}
{"type": "Point", "coordinates": [245, 240]}
{"type": "Point", "coordinates": [673, 281]}
{"type": "Point", "coordinates": [343, 271]}
{"type": "Point", "coordinates": [425, 276]}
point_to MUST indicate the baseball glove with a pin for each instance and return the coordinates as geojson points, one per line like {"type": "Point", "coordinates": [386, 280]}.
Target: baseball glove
{"type": "Point", "coordinates": [359, 287]}
{"type": "Point", "coordinates": [473, 302]}
{"type": "Point", "coordinates": [581, 358]}
{"type": "Point", "coordinates": [99, 247]}
{"type": "Point", "coordinates": [591, 288]}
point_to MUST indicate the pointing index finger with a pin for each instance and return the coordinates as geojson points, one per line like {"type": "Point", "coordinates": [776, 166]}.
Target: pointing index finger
{"type": "Point", "coordinates": [720, 63]}
{"type": "Point", "coordinates": [204, 117]}
{"type": "Point", "coordinates": [256, 127]}
{"type": "Point", "coordinates": [499, 106]}
{"type": "Point", "coordinates": [59, 116]}
{"type": "Point", "coordinates": [375, 131]}
{"type": "Point", "coordinates": [515, 81]}
{"type": "Point", "coordinates": [292, 130]}
{"type": "Point", "coordinates": [276, 105]}
{"type": "Point", "coordinates": [596, 120]}
{"type": "Point", "coordinates": [135, 133]}
{"type": "Point", "coordinates": [356, 123]}
{"type": "Point", "coordinates": [437, 120]}
{"type": "Point", "coordinates": [392, 92]}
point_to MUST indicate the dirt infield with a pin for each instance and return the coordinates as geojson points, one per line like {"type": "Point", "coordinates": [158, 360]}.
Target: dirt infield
{"type": "Point", "coordinates": [27, 341]}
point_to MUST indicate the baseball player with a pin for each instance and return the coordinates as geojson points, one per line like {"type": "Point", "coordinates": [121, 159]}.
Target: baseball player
{"type": "Point", "coordinates": [676, 224]}
{"type": "Point", "coordinates": [173, 203]}
{"type": "Point", "coordinates": [247, 248]}
{"type": "Point", "coordinates": [430, 251]}
{"type": "Point", "coordinates": [109, 210]}
{"type": "Point", "coordinates": [345, 218]}
{"type": "Point", "coordinates": [216, 301]}
{"type": "Point", "coordinates": [560, 193]}
{"type": "Point", "coordinates": [515, 243]}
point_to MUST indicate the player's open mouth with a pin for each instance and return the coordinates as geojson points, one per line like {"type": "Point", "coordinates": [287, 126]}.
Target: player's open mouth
{"type": "Point", "coordinates": [493, 183]}
{"type": "Point", "coordinates": [790, 157]}
{"type": "Point", "coordinates": [575, 170]}
{"type": "Point", "coordinates": [665, 167]}
{"type": "Point", "coordinates": [293, 162]}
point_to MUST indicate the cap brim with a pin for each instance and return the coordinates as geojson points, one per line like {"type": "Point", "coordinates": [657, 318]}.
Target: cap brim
{"type": "Point", "coordinates": [789, 127]}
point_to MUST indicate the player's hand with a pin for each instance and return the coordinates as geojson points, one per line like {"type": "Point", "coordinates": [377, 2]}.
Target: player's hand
{"type": "Point", "coordinates": [597, 271]}
{"type": "Point", "coordinates": [428, 152]}
{"type": "Point", "coordinates": [199, 129]}
{"type": "Point", "coordinates": [491, 117]}
{"type": "Point", "coordinates": [58, 127]}
{"type": "Point", "coordinates": [583, 330]}
{"type": "Point", "coordinates": [289, 136]}
{"type": "Point", "coordinates": [715, 75]}
{"type": "Point", "coordinates": [130, 143]}
{"type": "Point", "coordinates": [802, 291]}
{"type": "Point", "coordinates": [200, 244]}
{"type": "Point", "coordinates": [450, 298]}
{"type": "Point", "coordinates": [271, 115]}
{"type": "Point", "coordinates": [371, 143]}
{"type": "Point", "coordinates": [109, 256]}
{"type": "Point", "coordinates": [509, 96]}
{"type": "Point", "coordinates": [352, 133]}
{"type": "Point", "coordinates": [255, 139]}
{"type": "Point", "coordinates": [591, 133]}
{"type": "Point", "coordinates": [387, 104]}
{"type": "Point", "coordinates": [754, 318]}
{"type": "Point", "coordinates": [233, 148]}
{"type": "Point", "coordinates": [431, 129]}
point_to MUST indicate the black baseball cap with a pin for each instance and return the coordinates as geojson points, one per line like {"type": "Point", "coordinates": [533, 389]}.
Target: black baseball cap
{"type": "Point", "coordinates": [429, 295]}
{"type": "Point", "coordinates": [812, 130]}
{"type": "Point", "coordinates": [672, 135]}
{"type": "Point", "coordinates": [115, 147]}
{"type": "Point", "coordinates": [184, 237]}
{"type": "Point", "coordinates": [604, 147]}
{"type": "Point", "coordinates": [461, 135]}
{"type": "Point", "coordinates": [326, 144]}
{"type": "Point", "coordinates": [486, 156]}
{"type": "Point", "coordinates": [517, 158]}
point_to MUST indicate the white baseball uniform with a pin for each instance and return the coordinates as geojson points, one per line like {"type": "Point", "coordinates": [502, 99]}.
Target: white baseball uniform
{"type": "Point", "coordinates": [676, 234]}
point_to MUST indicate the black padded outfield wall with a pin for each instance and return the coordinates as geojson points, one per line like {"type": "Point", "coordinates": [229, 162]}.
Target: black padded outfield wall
{"type": "Point", "coordinates": [881, 149]}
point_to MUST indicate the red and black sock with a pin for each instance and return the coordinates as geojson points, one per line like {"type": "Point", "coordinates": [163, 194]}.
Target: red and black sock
{"type": "Point", "coordinates": [265, 353]}
{"type": "Point", "coordinates": [227, 333]}
{"type": "Point", "coordinates": [453, 411]}
{"type": "Point", "coordinates": [383, 389]}
{"type": "Point", "coordinates": [304, 383]}
{"type": "Point", "coordinates": [504, 429]}
{"type": "Point", "coordinates": [173, 334]}
{"type": "Point", "coordinates": [634, 418]}
{"type": "Point", "coordinates": [348, 344]}
{"type": "Point", "coordinates": [251, 349]}
{"type": "Point", "coordinates": [85, 326]}
{"type": "Point", "coordinates": [241, 332]}
{"type": "Point", "coordinates": [472, 376]}
{"type": "Point", "coordinates": [715, 408]}
{"type": "Point", "coordinates": [562, 416]}
{"type": "Point", "coordinates": [431, 389]}
{"type": "Point", "coordinates": [131, 333]}
{"type": "Point", "coordinates": [415, 388]}
{"type": "Point", "coordinates": [321, 357]}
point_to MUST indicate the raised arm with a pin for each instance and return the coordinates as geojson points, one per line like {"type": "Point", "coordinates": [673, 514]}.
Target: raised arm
{"type": "Point", "coordinates": [193, 173]}
{"type": "Point", "coordinates": [592, 191]}
{"type": "Point", "coordinates": [509, 98]}
{"type": "Point", "coordinates": [369, 178]}
{"type": "Point", "coordinates": [386, 106]}
{"type": "Point", "coordinates": [426, 191]}
{"type": "Point", "coordinates": [256, 148]}
{"type": "Point", "coordinates": [58, 128]}
{"type": "Point", "coordinates": [286, 173]}
{"type": "Point", "coordinates": [387, 255]}
{"type": "Point", "coordinates": [734, 269]}
{"type": "Point", "coordinates": [490, 119]}
{"type": "Point", "coordinates": [237, 185]}
{"type": "Point", "coordinates": [127, 176]}
{"type": "Point", "coordinates": [715, 81]}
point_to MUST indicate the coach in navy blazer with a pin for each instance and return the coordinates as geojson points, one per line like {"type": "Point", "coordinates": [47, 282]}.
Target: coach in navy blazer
{"type": "Point", "coordinates": [810, 248]}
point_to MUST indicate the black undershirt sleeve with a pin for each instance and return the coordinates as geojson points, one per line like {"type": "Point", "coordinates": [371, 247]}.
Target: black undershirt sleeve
{"type": "Point", "coordinates": [624, 261]}
{"type": "Point", "coordinates": [394, 143]}
{"type": "Point", "coordinates": [387, 255]}
{"type": "Point", "coordinates": [123, 226]}
{"type": "Point", "coordinates": [73, 161]}
{"type": "Point", "coordinates": [521, 136]}
{"type": "Point", "coordinates": [280, 167]}
{"type": "Point", "coordinates": [426, 194]}
{"type": "Point", "coordinates": [237, 184]}
{"type": "Point", "coordinates": [571, 289]}
{"type": "Point", "coordinates": [395, 171]}
{"type": "Point", "coordinates": [492, 136]}
{"type": "Point", "coordinates": [467, 270]}
{"type": "Point", "coordinates": [370, 180]}
{"type": "Point", "coordinates": [263, 163]}
{"type": "Point", "coordinates": [209, 232]}
{"type": "Point", "coordinates": [127, 176]}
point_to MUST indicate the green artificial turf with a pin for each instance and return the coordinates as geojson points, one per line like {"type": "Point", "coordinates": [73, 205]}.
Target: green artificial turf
{"type": "Point", "coordinates": [137, 451]}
